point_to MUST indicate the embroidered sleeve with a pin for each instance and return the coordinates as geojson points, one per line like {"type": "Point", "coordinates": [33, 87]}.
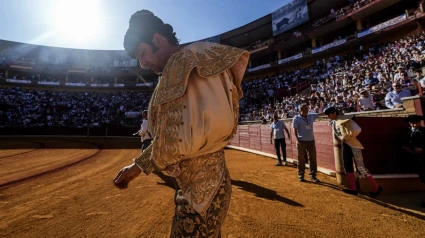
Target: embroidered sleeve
{"type": "Point", "coordinates": [143, 161]}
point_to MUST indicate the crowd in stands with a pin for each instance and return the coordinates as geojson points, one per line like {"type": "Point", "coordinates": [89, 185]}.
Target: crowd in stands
{"type": "Point", "coordinates": [339, 13]}
{"type": "Point", "coordinates": [84, 80]}
{"type": "Point", "coordinates": [352, 5]}
{"type": "Point", "coordinates": [36, 108]}
{"type": "Point", "coordinates": [100, 69]}
{"type": "Point", "coordinates": [7, 59]}
{"type": "Point", "coordinates": [367, 79]}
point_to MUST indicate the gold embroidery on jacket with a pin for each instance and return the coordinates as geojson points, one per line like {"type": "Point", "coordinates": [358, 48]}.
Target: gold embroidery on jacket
{"type": "Point", "coordinates": [144, 162]}
{"type": "Point", "coordinates": [200, 176]}
{"type": "Point", "coordinates": [167, 134]}
{"type": "Point", "coordinates": [173, 79]}
{"type": "Point", "coordinates": [153, 114]}
{"type": "Point", "coordinates": [209, 62]}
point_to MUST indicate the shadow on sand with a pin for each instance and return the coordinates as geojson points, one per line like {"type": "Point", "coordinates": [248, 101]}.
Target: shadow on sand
{"type": "Point", "coordinates": [407, 203]}
{"type": "Point", "coordinates": [168, 182]}
{"type": "Point", "coordinates": [263, 192]}
{"type": "Point", "coordinates": [258, 191]}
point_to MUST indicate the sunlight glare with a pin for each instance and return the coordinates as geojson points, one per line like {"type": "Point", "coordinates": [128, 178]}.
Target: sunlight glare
{"type": "Point", "coordinates": [78, 19]}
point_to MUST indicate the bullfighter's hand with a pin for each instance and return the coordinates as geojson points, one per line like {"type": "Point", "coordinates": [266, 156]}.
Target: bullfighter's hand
{"type": "Point", "coordinates": [125, 175]}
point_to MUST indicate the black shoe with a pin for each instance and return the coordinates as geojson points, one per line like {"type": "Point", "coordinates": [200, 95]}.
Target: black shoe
{"type": "Point", "coordinates": [301, 178]}
{"type": "Point", "coordinates": [375, 194]}
{"type": "Point", "coordinates": [314, 179]}
{"type": "Point", "coordinates": [349, 191]}
{"type": "Point", "coordinates": [278, 164]}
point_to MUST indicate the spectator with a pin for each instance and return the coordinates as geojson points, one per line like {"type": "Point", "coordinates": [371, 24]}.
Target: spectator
{"type": "Point", "coordinates": [370, 80]}
{"type": "Point", "coordinates": [278, 135]}
{"type": "Point", "coordinates": [401, 70]}
{"type": "Point", "coordinates": [366, 101]}
{"type": "Point", "coordinates": [414, 143]}
{"type": "Point", "coordinates": [393, 98]}
{"type": "Point", "coordinates": [303, 126]}
{"type": "Point", "coordinates": [420, 78]}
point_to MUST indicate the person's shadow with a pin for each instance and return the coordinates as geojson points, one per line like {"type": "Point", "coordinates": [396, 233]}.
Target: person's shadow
{"type": "Point", "coordinates": [263, 192]}
{"type": "Point", "coordinates": [407, 203]}
{"type": "Point", "coordinates": [167, 180]}
{"type": "Point", "coordinates": [259, 191]}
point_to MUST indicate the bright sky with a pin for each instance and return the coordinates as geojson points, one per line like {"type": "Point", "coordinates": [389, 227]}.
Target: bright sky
{"type": "Point", "coordinates": [101, 24]}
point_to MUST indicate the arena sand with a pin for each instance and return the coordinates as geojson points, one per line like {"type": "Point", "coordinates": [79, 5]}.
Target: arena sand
{"type": "Point", "coordinates": [63, 188]}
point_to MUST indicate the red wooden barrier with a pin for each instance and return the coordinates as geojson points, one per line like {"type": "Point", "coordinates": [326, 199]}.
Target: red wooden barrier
{"type": "Point", "coordinates": [257, 137]}
{"type": "Point", "coordinates": [380, 136]}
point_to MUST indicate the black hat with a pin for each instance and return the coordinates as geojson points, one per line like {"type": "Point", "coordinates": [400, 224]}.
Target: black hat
{"type": "Point", "coordinates": [413, 118]}
{"type": "Point", "coordinates": [330, 110]}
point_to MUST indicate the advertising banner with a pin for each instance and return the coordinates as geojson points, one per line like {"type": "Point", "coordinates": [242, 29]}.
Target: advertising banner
{"type": "Point", "coordinates": [76, 84]}
{"type": "Point", "coordinates": [17, 81]}
{"type": "Point", "coordinates": [382, 26]}
{"type": "Point", "coordinates": [99, 85]}
{"type": "Point", "coordinates": [289, 16]}
{"type": "Point", "coordinates": [328, 46]}
{"type": "Point", "coordinates": [289, 59]}
{"type": "Point", "coordinates": [49, 83]}
{"type": "Point", "coordinates": [264, 66]}
{"type": "Point", "coordinates": [144, 84]}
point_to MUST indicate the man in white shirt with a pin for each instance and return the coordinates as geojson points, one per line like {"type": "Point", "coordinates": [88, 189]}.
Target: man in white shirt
{"type": "Point", "coordinates": [366, 101]}
{"type": "Point", "coordinates": [278, 135]}
{"type": "Point", "coordinates": [143, 132]}
{"type": "Point", "coordinates": [303, 128]}
{"type": "Point", "coordinates": [420, 78]}
{"type": "Point", "coordinates": [399, 75]}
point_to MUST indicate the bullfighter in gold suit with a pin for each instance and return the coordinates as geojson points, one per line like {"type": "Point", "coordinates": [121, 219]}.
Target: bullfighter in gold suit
{"type": "Point", "coordinates": [193, 115]}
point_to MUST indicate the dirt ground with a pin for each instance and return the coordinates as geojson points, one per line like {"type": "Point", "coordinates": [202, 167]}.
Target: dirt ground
{"type": "Point", "coordinates": [63, 188]}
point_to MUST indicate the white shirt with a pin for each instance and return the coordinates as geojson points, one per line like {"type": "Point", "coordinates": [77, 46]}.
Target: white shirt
{"type": "Point", "coordinates": [422, 81]}
{"type": "Point", "coordinates": [143, 132]}
{"type": "Point", "coordinates": [366, 102]}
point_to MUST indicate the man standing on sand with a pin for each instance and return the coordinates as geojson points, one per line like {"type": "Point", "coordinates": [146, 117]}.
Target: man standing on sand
{"type": "Point", "coordinates": [144, 134]}
{"type": "Point", "coordinates": [278, 135]}
{"type": "Point", "coordinates": [193, 115]}
{"type": "Point", "coordinates": [303, 128]}
{"type": "Point", "coordinates": [345, 132]}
